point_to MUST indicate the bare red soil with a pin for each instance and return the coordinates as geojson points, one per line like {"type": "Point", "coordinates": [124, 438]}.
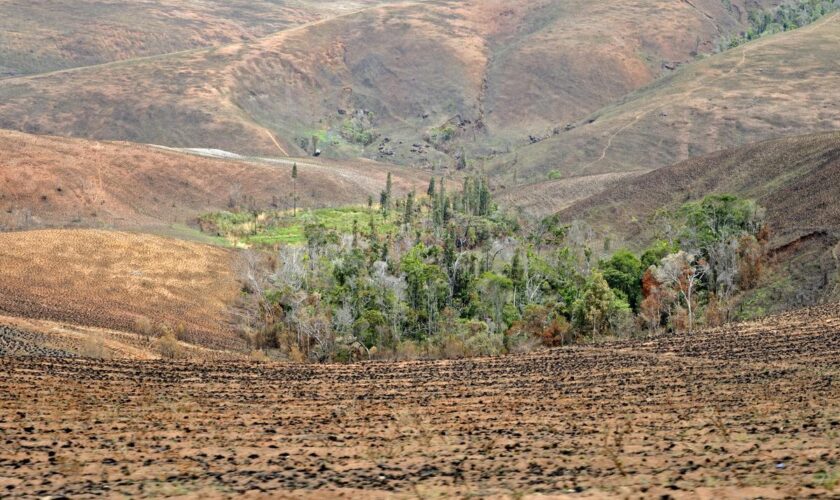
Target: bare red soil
{"type": "Point", "coordinates": [748, 410]}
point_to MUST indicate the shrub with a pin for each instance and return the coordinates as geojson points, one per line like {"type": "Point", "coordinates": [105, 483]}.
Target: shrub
{"type": "Point", "coordinates": [94, 347]}
{"type": "Point", "coordinates": [259, 356]}
{"type": "Point", "coordinates": [541, 324]}
{"type": "Point", "coordinates": [485, 343]}
{"type": "Point", "coordinates": [168, 346]}
{"type": "Point", "coordinates": [407, 350]}
{"type": "Point", "coordinates": [144, 326]}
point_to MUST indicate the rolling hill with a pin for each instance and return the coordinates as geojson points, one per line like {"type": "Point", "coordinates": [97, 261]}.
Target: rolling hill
{"type": "Point", "coordinates": [785, 84]}
{"type": "Point", "coordinates": [378, 80]}
{"type": "Point", "coordinates": [60, 182]}
{"type": "Point", "coordinates": [37, 36]}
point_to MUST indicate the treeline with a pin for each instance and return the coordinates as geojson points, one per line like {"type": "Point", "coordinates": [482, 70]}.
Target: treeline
{"type": "Point", "coordinates": [787, 16]}
{"type": "Point", "coordinates": [460, 277]}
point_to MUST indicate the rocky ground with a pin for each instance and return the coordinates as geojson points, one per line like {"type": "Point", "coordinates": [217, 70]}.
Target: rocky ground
{"type": "Point", "coordinates": [751, 410]}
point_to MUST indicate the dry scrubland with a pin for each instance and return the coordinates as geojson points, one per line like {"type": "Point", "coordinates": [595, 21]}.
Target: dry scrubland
{"type": "Point", "coordinates": [501, 69]}
{"type": "Point", "coordinates": [58, 182]}
{"type": "Point", "coordinates": [746, 410]}
{"type": "Point", "coordinates": [775, 86]}
{"type": "Point", "coordinates": [43, 35]}
{"type": "Point", "coordinates": [120, 281]}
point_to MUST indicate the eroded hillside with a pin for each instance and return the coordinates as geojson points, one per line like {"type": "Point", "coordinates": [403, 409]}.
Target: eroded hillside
{"type": "Point", "coordinates": [410, 82]}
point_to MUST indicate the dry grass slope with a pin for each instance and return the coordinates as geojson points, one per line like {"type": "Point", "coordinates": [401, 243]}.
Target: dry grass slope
{"type": "Point", "coordinates": [40, 35]}
{"type": "Point", "coordinates": [549, 197]}
{"type": "Point", "coordinates": [119, 281]}
{"type": "Point", "coordinates": [57, 182]}
{"type": "Point", "coordinates": [776, 86]}
{"type": "Point", "coordinates": [745, 411]}
{"type": "Point", "coordinates": [505, 69]}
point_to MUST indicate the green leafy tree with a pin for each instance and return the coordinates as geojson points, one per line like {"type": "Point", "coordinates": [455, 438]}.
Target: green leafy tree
{"type": "Point", "coordinates": [517, 278]}
{"type": "Point", "coordinates": [623, 272]}
{"type": "Point", "coordinates": [597, 301]}
{"type": "Point", "coordinates": [383, 203]}
{"type": "Point", "coordinates": [656, 252]}
{"type": "Point", "coordinates": [496, 293]}
{"type": "Point", "coordinates": [717, 218]}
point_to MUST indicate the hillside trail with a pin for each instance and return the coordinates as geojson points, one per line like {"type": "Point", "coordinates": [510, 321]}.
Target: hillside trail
{"type": "Point", "coordinates": [135, 60]}
{"type": "Point", "coordinates": [697, 86]}
{"type": "Point", "coordinates": [274, 140]}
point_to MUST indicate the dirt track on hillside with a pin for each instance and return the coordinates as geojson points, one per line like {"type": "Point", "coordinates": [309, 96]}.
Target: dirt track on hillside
{"type": "Point", "coordinates": [752, 410]}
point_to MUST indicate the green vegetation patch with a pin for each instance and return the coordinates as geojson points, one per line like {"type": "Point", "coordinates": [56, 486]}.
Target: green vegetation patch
{"type": "Point", "coordinates": [286, 228]}
{"type": "Point", "coordinates": [785, 17]}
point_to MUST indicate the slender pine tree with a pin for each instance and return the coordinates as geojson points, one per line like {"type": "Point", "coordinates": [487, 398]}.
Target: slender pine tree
{"type": "Point", "coordinates": [294, 188]}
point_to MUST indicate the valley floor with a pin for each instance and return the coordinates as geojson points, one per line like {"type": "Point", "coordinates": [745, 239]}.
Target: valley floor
{"type": "Point", "coordinates": [747, 410]}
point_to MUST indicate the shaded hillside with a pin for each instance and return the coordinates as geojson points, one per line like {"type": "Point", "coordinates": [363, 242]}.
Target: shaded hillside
{"type": "Point", "coordinates": [57, 182]}
{"type": "Point", "coordinates": [382, 80]}
{"type": "Point", "coordinates": [775, 86]}
{"type": "Point", "coordinates": [44, 35]}
{"type": "Point", "coordinates": [796, 179]}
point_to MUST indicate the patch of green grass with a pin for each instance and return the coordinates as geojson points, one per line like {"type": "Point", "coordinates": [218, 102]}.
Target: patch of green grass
{"type": "Point", "coordinates": [828, 479]}
{"type": "Point", "coordinates": [286, 229]}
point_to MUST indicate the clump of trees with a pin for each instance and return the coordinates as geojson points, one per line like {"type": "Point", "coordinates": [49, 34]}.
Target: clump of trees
{"type": "Point", "coordinates": [720, 251]}
{"type": "Point", "coordinates": [460, 277]}
{"type": "Point", "coordinates": [359, 128]}
{"type": "Point", "coordinates": [787, 16]}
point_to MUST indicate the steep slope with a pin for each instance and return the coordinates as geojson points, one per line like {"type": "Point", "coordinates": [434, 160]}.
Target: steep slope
{"type": "Point", "coordinates": [775, 86]}
{"type": "Point", "coordinates": [548, 197]}
{"type": "Point", "coordinates": [44, 35]}
{"type": "Point", "coordinates": [58, 182]}
{"type": "Point", "coordinates": [480, 74]}
{"type": "Point", "coordinates": [796, 179]}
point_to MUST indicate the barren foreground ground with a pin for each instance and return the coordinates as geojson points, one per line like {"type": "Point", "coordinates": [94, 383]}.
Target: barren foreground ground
{"type": "Point", "coordinates": [751, 410]}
